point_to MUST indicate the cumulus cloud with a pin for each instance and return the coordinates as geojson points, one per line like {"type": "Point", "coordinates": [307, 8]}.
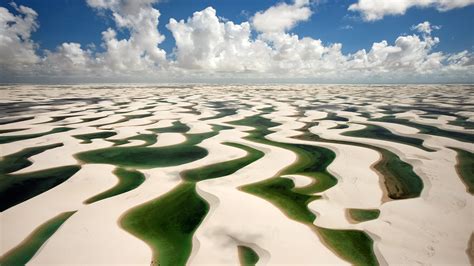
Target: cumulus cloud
{"type": "Point", "coordinates": [206, 42]}
{"type": "Point", "coordinates": [17, 50]}
{"type": "Point", "coordinates": [376, 9]}
{"type": "Point", "coordinates": [282, 17]}
{"type": "Point", "coordinates": [139, 52]}
{"type": "Point", "coordinates": [208, 46]}
{"type": "Point", "coordinates": [295, 56]}
{"type": "Point", "coordinates": [69, 58]}
{"type": "Point", "coordinates": [408, 53]}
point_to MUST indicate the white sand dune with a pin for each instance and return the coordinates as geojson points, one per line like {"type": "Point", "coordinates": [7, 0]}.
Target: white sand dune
{"type": "Point", "coordinates": [434, 228]}
{"type": "Point", "coordinates": [427, 236]}
{"type": "Point", "coordinates": [19, 221]}
{"type": "Point", "coordinates": [223, 225]}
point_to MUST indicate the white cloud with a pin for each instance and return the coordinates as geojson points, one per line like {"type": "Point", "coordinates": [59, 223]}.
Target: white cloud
{"type": "Point", "coordinates": [282, 17]}
{"type": "Point", "coordinates": [425, 27]}
{"type": "Point", "coordinates": [463, 58]}
{"type": "Point", "coordinates": [17, 51]}
{"type": "Point", "coordinates": [123, 7]}
{"type": "Point", "coordinates": [140, 51]}
{"type": "Point", "coordinates": [346, 27]}
{"type": "Point", "coordinates": [295, 56]}
{"type": "Point", "coordinates": [209, 47]}
{"type": "Point", "coordinates": [205, 42]}
{"type": "Point", "coordinates": [137, 55]}
{"type": "Point", "coordinates": [69, 59]}
{"type": "Point", "coordinates": [376, 9]}
{"type": "Point", "coordinates": [408, 54]}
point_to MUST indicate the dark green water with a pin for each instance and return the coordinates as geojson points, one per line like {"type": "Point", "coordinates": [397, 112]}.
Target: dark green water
{"type": "Point", "coordinates": [334, 117]}
{"type": "Point", "coordinates": [247, 256]}
{"type": "Point", "coordinates": [19, 160]}
{"type": "Point", "coordinates": [168, 223]}
{"type": "Point", "coordinates": [58, 118]}
{"type": "Point", "coordinates": [352, 245]}
{"type": "Point", "coordinates": [148, 139]}
{"type": "Point", "coordinates": [14, 120]}
{"type": "Point", "coordinates": [144, 157]}
{"type": "Point", "coordinates": [462, 122]}
{"type": "Point", "coordinates": [86, 120]}
{"type": "Point", "coordinates": [3, 131]}
{"type": "Point", "coordinates": [376, 132]}
{"type": "Point", "coordinates": [128, 180]}
{"type": "Point", "coordinates": [340, 126]}
{"type": "Point", "coordinates": [362, 215]}
{"type": "Point", "coordinates": [223, 168]}
{"type": "Point", "coordinates": [87, 138]}
{"type": "Point", "coordinates": [23, 253]}
{"type": "Point", "coordinates": [312, 160]}
{"type": "Point", "coordinates": [279, 191]}
{"type": "Point", "coordinates": [13, 138]}
{"type": "Point", "coordinates": [222, 113]}
{"type": "Point", "coordinates": [465, 168]}
{"type": "Point", "coordinates": [16, 188]}
{"type": "Point", "coordinates": [177, 127]}
{"type": "Point", "coordinates": [430, 130]}
{"type": "Point", "coordinates": [400, 180]}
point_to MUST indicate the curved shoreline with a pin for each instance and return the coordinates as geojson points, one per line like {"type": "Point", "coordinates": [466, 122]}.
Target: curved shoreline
{"type": "Point", "coordinates": [294, 204]}
{"type": "Point", "coordinates": [397, 183]}
{"type": "Point", "coordinates": [24, 251]}
{"type": "Point", "coordinates": [128, 180]}
{"type": "Point", "coordinates": [465, 168]}
{"type": "Point", "coordinates": [165, 229]}
{"type": "Point", "coordinates": [428, 223]}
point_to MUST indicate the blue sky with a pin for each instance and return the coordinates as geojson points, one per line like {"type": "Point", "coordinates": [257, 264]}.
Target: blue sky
{"type": "Point", "coordinates": [82, 23]}
{"type": "Point", "coordinates": [73, 20]}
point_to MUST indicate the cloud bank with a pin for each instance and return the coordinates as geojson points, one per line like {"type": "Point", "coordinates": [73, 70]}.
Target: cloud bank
{"type": "Point", "coordinates": [209, 48]}
{"type": "Point", "coordinates": [377, 9]}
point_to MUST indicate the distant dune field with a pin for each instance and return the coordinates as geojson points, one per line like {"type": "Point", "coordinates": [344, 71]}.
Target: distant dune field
{"type": "Point", "coordinates": [237, 174]}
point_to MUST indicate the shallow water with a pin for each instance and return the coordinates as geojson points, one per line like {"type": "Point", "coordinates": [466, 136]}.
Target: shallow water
{"type": "Point", "coordinates": [163, 136]}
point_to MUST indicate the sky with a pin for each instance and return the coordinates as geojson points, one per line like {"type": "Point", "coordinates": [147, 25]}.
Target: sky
{"type": "Point", "coordinates": [317, 41]}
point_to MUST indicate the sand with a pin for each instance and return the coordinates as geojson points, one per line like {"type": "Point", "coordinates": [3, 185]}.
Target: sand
{"type": "Point", "coordinates": [434, 228]}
